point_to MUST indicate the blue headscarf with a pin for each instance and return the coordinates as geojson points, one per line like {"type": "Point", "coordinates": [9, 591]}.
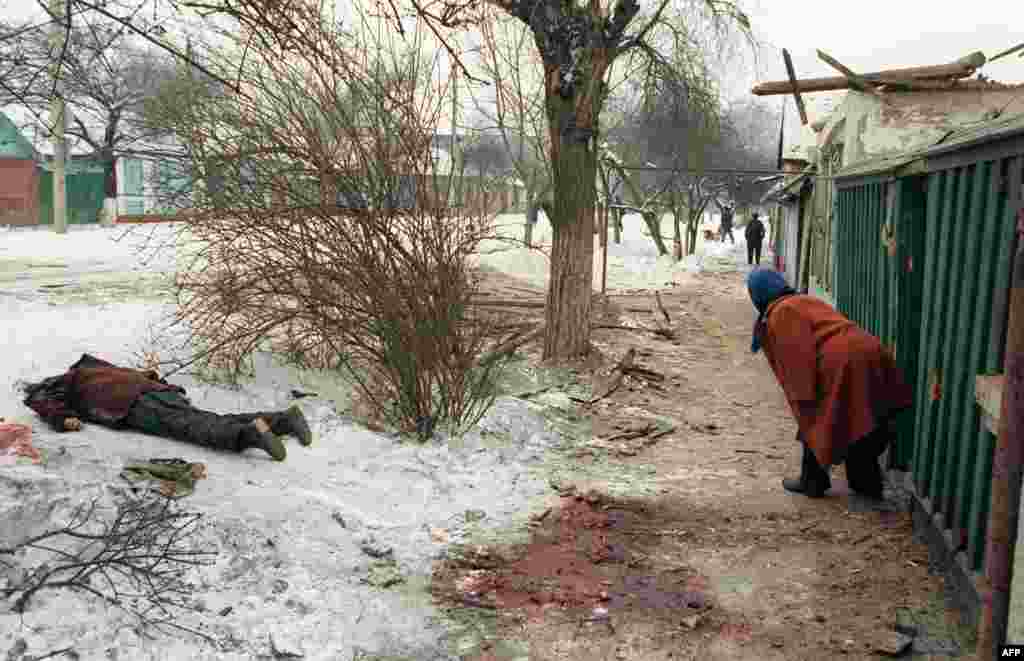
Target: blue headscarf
{"type": "Point", "coordinates": [765, 286]}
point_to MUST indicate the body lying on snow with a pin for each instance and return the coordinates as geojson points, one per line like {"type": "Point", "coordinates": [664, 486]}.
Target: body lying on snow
{"type": "Point", "coordinates": [843, 386]}
{"type": "Point", "coordinates": [97, 391]}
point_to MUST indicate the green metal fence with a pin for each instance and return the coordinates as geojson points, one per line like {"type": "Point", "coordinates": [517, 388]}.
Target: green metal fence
{"type": "Point", "coordinates": [924, 262]}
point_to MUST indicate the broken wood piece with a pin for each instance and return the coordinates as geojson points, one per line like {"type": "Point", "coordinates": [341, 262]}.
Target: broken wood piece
{"type": "Point", "coordinates": [661, 306]}
{"type": "Point", "coordinates": [892, 643]}
{"type": "Point", "coordinates": [617, 375]}
{"type": "Point", "coordinates": [636, 432]}
{"type": "Point", "coordinates": [655, 436]}
{"type": "Point", "coordinates": [507, 303]}
{"type": "Point", "coordinates": [664, 328]}
{"type": "Point", "coordinates": [863, 538]}
{"type": "Point", "coordinates": [657, 331]}
{"type": "Point", "coordinates": [856, 82]}
{"type": "Point", "coordinates": [509, 346]}
{"type": "Point", "coordinates": [794, 88]}
{"type": "Point", "coordinates": [962, 68]}
{"type": "Point", "coordinates": [645, 373]}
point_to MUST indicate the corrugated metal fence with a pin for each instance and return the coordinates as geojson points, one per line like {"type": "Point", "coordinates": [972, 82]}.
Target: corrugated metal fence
{"type": "Point", "coordinates": [924, 262]}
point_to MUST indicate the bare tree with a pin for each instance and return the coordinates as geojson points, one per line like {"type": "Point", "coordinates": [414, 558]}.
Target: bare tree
{"type": "Point", "coordinates": [514, 106]}
{"type": "Point", "coordinates": [578, 45]}
{"type": "Point", "coordinates": [106, 76]}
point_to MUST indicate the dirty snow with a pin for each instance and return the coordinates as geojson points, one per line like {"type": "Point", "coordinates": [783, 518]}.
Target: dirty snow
{"type": "Point", "coordinates": [292, 534]}
{"type": "Point", "coordinates": [632, 264]}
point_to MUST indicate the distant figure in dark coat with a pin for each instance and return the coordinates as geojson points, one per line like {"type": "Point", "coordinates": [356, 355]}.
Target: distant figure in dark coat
{"type": "Point", "coordinates": [725, 229]}
{"type": "Point", "coordinates": [97, 391]}
{"type": "Point", "coordinates": [842, 385]}
{"type": "Point", "coordinates": [755, 235]}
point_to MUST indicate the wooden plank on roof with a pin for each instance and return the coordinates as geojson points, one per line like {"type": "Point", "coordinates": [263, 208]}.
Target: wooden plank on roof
{"type": "Point", "coordinates": [962, 68]}
{"type": "Point", "coordinates": [794, 87]}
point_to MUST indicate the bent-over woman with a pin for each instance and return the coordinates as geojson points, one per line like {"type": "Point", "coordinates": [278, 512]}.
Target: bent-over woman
{"type": "Point", "coordinates": [842, 385]}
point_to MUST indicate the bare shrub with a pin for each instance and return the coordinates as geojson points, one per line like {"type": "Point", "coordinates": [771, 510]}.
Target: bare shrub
{"type": "Point", "coordinates": [320, 229]}
{"type": "Point", "coordinates": [135, 555]}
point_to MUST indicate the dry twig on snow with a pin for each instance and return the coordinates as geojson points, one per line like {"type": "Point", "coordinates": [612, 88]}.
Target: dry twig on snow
{"type": "Point", "coordinates": [137, 560]}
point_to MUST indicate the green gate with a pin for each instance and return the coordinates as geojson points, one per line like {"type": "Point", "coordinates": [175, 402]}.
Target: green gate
{"type": "Point", "coordinates": [924, 263]}
{"type": "Point", "coordinates": [85, 191]}
{"type": "Point", "coordinates": [877, 244]}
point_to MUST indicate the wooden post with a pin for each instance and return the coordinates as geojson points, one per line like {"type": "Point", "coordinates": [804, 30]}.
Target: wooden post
{"type": "Point", "coordinates": [1007, 462]}
{"type": "Point", "coordinates": [58, 117]}
{"type": "Point", "coordinates": [796, 89]}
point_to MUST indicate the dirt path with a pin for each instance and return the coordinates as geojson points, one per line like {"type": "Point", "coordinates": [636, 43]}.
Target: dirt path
{"type": "Point", "coordinates": [722, 564]}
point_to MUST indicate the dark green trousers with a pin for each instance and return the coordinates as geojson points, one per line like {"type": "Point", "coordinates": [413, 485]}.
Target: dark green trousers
{"type": "Point", "coordinates": [171, 415]}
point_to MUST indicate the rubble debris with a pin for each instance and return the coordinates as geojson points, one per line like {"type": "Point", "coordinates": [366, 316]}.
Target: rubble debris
{"type": "Point", "coordinates": [616, 376]}
{"type": "Point", "coordinates": [891, 643]}
{"type": "Point", "coordinates": [16, 442]}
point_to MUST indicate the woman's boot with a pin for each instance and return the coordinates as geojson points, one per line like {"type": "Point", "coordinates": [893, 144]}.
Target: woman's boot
{"type": "Point", "coordinates": [814, 480]}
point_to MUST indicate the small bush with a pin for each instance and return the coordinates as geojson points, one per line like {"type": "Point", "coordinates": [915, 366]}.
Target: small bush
{"type": "Point", "coordinates": [382, 292]}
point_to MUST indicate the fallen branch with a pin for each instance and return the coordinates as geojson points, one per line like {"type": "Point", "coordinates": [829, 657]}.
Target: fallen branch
{"type": "Point", "coordinates": [635, 432]}
{"type": "Point", "coordinates": [657, 331]}
{"type": "Point", "coordinates": [617, 375]}
{"type": "Point", "coordinates": [508, 303]}
{"type": "Point", "coordinates": [136, 561]}
{"type": "Point", "coordinates": [645, 373]}
{"type": "Point", "coordinates": [509, 346]}
{"type": "Point", "coordinates": [661, 306]}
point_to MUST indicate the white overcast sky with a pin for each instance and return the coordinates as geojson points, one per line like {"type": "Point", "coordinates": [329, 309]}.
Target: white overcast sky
{"type": "Point", "coordinates": [871, 35]}
{"type": "Point", "coordinates": [865, 35]}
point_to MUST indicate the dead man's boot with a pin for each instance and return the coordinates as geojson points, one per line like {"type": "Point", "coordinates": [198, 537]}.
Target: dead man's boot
{"type": "Point", "coordinates": [293, 422]}
{"type": "Point", "coordinates": [813, 481]}
{"type": "Point", "coordinates": [258, 435]}
{"type": "Point", "coordinates": [288, 422]}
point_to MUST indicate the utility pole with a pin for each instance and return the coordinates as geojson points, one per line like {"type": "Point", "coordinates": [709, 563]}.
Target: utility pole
{"type": "Point", "coordinates": [58, 117]}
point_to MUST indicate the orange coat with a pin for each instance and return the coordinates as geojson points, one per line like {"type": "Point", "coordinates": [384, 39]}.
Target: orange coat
{"type": "Point", "coordinates": [820, 356]}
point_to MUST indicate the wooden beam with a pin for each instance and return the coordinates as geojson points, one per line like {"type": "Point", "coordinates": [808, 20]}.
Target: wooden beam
{"type": "Point", "coordinates": [856, 82]}
{"type": "Point", "coordinates": [960, 69]}
{"type": "Point", "coordinates": [793, 86]}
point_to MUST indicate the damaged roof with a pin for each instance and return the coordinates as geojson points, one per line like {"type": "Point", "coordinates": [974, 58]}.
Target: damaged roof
{"type": "Point", "coordinates": [969, 136]}
{"type": "Point", "coordinates": [995, 129]}
{"type": "Point", "coordinates": [787, 188]}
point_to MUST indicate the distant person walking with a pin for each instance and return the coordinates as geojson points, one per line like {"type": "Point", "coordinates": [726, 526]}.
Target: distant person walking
{"type": "Point", "coordinates": [725, 229]}
{"type": "Point", "coordinates": [755, 236]}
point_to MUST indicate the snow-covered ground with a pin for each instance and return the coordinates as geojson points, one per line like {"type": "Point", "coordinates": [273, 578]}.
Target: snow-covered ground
{"type": "Point", "coordinates": [632, 264]}
{"type": "Point", "coordinates": [291, 534]}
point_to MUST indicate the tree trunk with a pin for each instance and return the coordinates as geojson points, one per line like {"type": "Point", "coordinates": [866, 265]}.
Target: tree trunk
{"type": "Point", "coordinates": [654, 225]}
{"type": "Point", "coordinates": [677, 247]}
{"type": "Point", "coordinates": [570, 289]}
{"type": "Point", "coordinates": [571, 285]}
{"type": "Point", "coordinates": [617, 222]}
